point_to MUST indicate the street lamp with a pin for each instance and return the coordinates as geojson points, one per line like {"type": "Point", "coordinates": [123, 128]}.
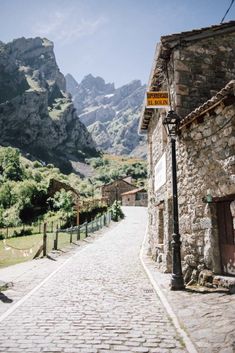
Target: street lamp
{"type": "Point", "coordinates": [171, 121]}
{"type": "Point", "coordinates": [116, 201]}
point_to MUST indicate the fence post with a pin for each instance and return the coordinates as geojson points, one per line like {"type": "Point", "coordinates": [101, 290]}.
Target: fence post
{"type": "Point", "coordinates": [86, 230]}
{"type": "Point", "coordinates": [101, 221]}
{"type": "Point", "coordinates": [56, 238]}
{"type": "Point", "coordinates": [71, 235]}
{"type": "Point", "coordinates": [52, 227]}
{"type": "Point", "coordinates": [78, 232]}
{"type": "Point", "coordinates": [44, 239]}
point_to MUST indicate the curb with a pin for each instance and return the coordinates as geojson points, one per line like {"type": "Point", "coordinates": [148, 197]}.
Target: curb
{"type": "Point", "coordinates": [183, 334]}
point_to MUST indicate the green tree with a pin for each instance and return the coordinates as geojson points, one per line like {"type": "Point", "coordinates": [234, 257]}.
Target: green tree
{"type": "Point", "coordinates": [24, 192]}
{"type": "Point", "coordinates": [7, 198]}
{"type": "Point", "coordinates": [63, 201]}
{"type": "Point", "coordinates": [11, 217]}
{"type": "Point", "coordinates": [10, 166]}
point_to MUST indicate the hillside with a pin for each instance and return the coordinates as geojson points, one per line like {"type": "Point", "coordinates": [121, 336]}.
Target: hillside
{"type": "Point", "coordinates": [36, 114]}
{"type": "Point", "coordinates": [111, 115]}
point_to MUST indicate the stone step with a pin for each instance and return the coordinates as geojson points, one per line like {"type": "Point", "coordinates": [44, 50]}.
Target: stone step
{"type": "Point", "coordinates": [225, 282]}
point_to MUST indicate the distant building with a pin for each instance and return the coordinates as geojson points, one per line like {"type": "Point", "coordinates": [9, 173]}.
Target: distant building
{"type": "Point", "coordinates": [56, 185]}
{"type": "Point", "coordinates": [136, 197]}
{"type": "Point", "coordinates": [115, 189]}
{"type": "Point", "coordinates": [198, 69]}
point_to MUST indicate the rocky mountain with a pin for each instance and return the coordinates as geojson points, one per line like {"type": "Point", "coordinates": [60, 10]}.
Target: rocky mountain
{"type": "Point", "coordinates": [111, 115]}
{"type": "Point", "coordinates": [36, 113]}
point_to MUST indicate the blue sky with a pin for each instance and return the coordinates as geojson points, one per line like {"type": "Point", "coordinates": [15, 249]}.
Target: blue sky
{"type": "Point", "coordinates": [114, 39]}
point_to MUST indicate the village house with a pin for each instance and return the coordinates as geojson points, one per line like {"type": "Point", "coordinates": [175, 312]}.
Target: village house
{"type": "Point", "coordinates": [197, 68]}
{"type": "Point", "coordinates": [136, 197]}
{"type": "Point", "coordinates": [113, 191]}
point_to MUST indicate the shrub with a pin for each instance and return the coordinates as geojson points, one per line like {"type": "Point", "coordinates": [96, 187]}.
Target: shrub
{"type": "Point", "coordinates": [37, 164]}
{"type": "Point", "coordinates": [22, 232]}
{"type": "Point", "coordinates": [11, 216]}
{"type": "Point", "coordinates": [116, 211]}
{"type": "Point", "coordinates": [50, 166]}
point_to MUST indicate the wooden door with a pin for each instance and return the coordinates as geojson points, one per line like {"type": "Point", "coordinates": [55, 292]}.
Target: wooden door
{"type": "Point", "coordinates": [226, 237]}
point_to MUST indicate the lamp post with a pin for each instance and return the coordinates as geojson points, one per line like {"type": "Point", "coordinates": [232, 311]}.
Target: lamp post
{"type": "Point", "coordinates": [116, 201]}
{"type": "Point", "coordinates": [171, 122]}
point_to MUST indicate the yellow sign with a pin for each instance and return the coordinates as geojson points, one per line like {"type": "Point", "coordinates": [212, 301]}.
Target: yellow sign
{"type": "Point", "coordinates": [157, 99]}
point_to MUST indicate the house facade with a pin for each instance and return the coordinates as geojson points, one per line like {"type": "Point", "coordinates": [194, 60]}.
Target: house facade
{"type": "Point", "coordinates": [115, 189]}
{"type": "Point", "coordinates": [136, 197]}
{"type": "Point", "coordinates": [197, 68]}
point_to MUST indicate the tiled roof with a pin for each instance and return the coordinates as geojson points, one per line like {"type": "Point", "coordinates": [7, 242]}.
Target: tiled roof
{"type": "Point", "coordinates": [197, 33]}
{"type": "Point", "coordinates": [116, 181]}
{"type": "Point", "coordinates": [133, 191]}
{"type": "Point", "coordinates": [162, 54]}
{"type": "Point", "coordinates": [229, 89]}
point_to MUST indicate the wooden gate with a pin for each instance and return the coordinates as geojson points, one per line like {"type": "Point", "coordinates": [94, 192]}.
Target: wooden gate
{"type": "Point", "coordinates": [226, 235]}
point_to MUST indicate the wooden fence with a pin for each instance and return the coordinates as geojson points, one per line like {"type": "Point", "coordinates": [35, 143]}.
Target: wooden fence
{"type": "Point", "coordinates": [78, 232]}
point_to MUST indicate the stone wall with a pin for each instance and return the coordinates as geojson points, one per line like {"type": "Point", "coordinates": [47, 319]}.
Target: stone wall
{"type": "Point", "coordinates": [128, 200]}
{"type": "Point", "coordinates": [114, 190]}
{"type": "Point", "coordinates": [205, 158]}
{"type": "Point", "coordinates": [199, 69]}
{"type": "Point", "coordinates": [194, 71]}
{"type": "Point", "coordinates": [206, 164]}
{"type": "Point", "coordinates": [159, 199]}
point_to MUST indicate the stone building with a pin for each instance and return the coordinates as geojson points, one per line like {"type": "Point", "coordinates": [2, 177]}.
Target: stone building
{"type": "Point", "coordinates": [197, 68]}
{"type": "Point", "coordinates": [136, 197]}
{"type": "Point", "coordinates": [115, 189]}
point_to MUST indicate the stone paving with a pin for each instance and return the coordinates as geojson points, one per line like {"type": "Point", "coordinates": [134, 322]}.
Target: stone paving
{"type": "Point", "coordinates": [99, 300]}
{"type": "Point", "coordinates": [208, 318]}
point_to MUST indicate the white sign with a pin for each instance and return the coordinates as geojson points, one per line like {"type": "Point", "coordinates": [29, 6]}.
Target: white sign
{"type": "Point", "coordinates": [160, 172]}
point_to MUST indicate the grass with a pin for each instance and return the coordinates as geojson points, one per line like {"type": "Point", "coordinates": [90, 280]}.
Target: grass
{"type": "Point", "coordinates": [121, 159]}
{"type": "Point", "coordinates": [24, 248]}
{"type": "Point", "coordinates": [8, 232]}
{"type": "Point", "coordinates": [21, 249]}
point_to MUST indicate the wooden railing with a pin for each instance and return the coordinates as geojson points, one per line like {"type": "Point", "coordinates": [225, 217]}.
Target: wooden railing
{"type": "Point", "coordinates": [79, 232]}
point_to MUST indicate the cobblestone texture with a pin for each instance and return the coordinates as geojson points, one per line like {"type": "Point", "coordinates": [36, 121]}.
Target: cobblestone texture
{"type": "Point", "coordinates": [100, 301]}
{"type": "Point", "coordinates": [208, 318]}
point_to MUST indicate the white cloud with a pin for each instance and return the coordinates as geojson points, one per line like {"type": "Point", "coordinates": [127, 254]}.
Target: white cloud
{"type": "Point", "coordinates": [66, 27]}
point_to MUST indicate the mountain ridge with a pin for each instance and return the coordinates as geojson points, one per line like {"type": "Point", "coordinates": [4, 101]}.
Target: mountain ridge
{"type": "Point", "coordinates": [111, 115]}
{"type": "Point", "coordinates": [37, 115]}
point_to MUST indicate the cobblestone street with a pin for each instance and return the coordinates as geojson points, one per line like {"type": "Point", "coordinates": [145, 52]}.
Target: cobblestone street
{"type": "Point", "coordinates": [98, 301]}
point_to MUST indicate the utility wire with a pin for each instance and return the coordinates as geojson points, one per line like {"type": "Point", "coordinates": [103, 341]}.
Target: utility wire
{"type": "Point", "coordinates": [227, 11]}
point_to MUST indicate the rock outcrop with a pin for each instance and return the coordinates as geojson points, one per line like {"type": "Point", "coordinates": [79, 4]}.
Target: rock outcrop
{"type": "Point", "coordinates": [36, 114]}
{"type": "Point", "coordinates": [111, 115]}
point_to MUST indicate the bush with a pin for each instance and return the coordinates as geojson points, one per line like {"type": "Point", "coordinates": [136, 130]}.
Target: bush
{"type": "Point", "coordinates": [116, 211]}
{"type": "Point", "coordinates": [50, 166]}
{"type": "Point", "coordinates": [37, 164]}
{"type": "Point", "coordinates": [11, 217]}
{"type": "Point", "coordinates": [2, 236]}
{"type": "Point", "coordinates": [22, 232]}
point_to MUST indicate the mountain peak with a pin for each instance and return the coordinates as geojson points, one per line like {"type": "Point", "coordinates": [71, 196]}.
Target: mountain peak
{"type": "Point", "coordinates": [97, 83]}
{"type": "Point", "coordinates": [41, 120]}
{"type": "Point", "coordinates": [107, 112]}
